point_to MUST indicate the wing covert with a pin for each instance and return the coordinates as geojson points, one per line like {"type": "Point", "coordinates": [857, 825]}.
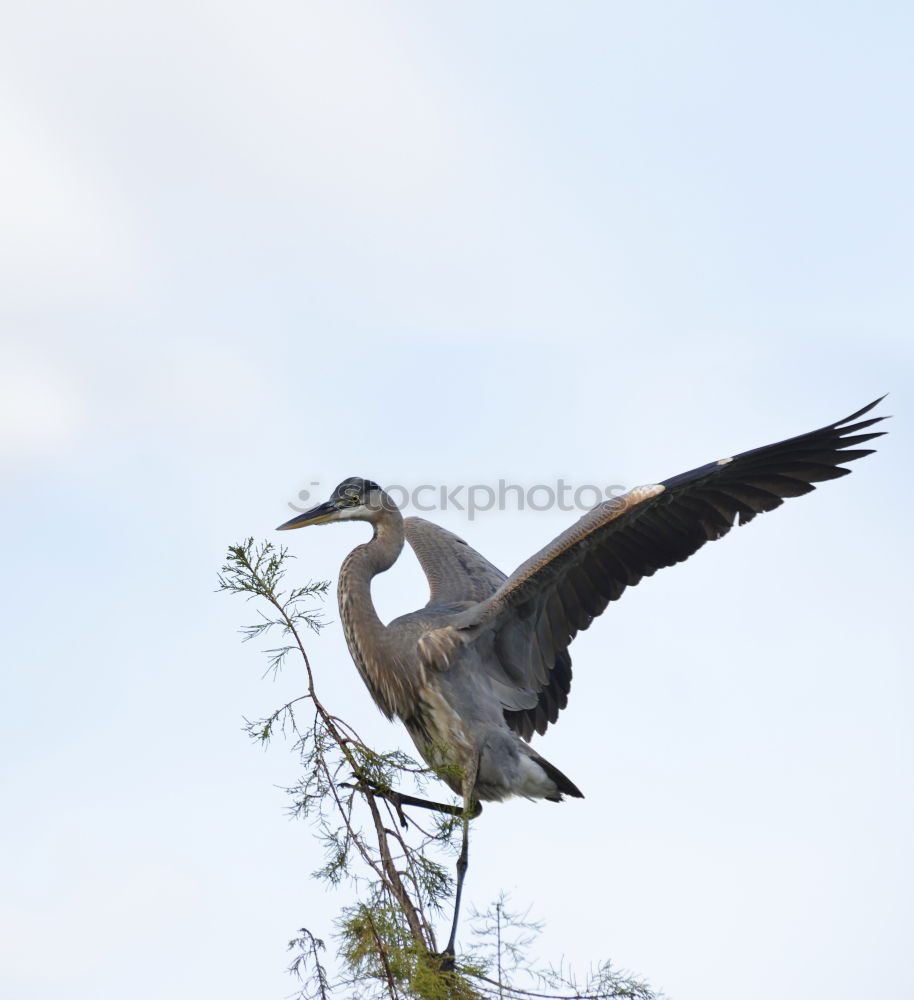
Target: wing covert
{"type": "Point", "coordinates": [539, 609]}
{"type": "Point", "coordinates": [456, 573]}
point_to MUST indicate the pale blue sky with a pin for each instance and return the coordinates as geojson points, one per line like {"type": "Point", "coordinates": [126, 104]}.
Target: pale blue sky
{"type": "Point", "coordinates": [248, 247]}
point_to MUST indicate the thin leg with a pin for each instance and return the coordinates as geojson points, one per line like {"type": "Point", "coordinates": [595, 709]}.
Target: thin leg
{"type": "Point", "coordinates": [471, 808]}
{"type": "Point", "coordinates": [400, 799]}
{"type": "Point", "coordinates": [447, 956]}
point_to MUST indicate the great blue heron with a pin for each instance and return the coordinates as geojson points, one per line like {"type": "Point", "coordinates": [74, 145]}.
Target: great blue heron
{"type": "Point", "coordinates": [485, 663]}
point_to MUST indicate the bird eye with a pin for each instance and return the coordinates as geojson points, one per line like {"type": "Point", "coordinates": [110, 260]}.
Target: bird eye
{"type": "Point", "coordinates": [353, 498]}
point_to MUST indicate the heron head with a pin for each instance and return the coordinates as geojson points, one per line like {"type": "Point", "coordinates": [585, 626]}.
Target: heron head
{"type": "Point", "coordinates": [354, 499]}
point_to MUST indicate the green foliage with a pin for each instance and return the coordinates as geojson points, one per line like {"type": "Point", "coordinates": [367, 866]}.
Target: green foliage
{"type": "Point", "coordinates": [386, 943]}
{"type": "Point", "coordinates": [258, 571]}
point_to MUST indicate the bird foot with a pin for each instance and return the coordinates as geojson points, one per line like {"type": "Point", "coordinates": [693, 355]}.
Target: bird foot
{"type": "Point", "coordinates": [446, 961]}
{"type": "Point", "coordinates": [395, 798]}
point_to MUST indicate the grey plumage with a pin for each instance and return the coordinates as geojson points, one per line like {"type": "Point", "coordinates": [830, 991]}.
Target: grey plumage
{"type": "Point", "coordinates": [485, 664]}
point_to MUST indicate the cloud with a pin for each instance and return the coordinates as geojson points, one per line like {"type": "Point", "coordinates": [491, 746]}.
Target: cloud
{"type": "Point", "coordinates": [64, 231]}
{"type": "Point", "coordinates": [42, 408]}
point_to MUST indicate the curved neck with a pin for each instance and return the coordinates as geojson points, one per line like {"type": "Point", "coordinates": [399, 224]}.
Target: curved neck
{"type": "Point", "coordinates": [366, 635]}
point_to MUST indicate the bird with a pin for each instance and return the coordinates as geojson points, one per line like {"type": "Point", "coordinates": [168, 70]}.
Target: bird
{"type": "Point", "coordinates": [485, 665]}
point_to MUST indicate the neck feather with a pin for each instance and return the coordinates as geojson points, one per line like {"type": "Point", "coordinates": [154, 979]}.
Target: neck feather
{"type": "Point", "coordinates": [391, 683]}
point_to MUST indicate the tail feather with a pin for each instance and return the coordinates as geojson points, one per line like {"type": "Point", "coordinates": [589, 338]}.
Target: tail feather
{"type": "Point", "coordinates": [562, 782]}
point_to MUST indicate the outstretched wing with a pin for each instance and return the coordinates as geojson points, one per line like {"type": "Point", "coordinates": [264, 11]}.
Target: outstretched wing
{"type": "Point", "coordinates": [533, 616]}
{"type": "Point", "coordinates": [456, 573]}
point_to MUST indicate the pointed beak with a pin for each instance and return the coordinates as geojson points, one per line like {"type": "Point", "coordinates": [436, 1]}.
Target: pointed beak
{"type": "Point", "coordinates": [320, 514]}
